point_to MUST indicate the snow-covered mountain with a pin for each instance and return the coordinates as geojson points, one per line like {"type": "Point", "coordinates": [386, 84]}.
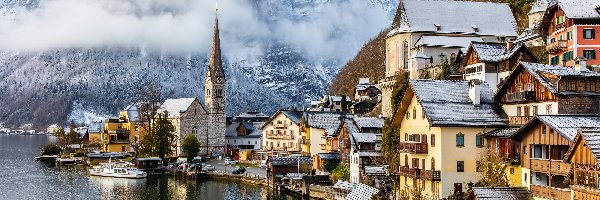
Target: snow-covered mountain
{"type": "Point", "coordinates": [293, 55]}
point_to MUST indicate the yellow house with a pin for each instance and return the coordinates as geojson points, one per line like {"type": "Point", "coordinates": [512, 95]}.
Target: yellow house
{"type": "Point", "coordinates": [122, 134]}
{"type": "Point", "coordinates": [317, 126]}
{"type": "Point", "coordinates": [441, 125]}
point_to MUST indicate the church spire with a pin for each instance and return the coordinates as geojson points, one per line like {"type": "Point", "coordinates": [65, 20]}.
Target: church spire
{"type": "Point", "coordinates": [215, 68]}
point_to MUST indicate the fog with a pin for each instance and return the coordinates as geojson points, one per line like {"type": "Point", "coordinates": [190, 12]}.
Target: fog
{"type": "Point", "coordinates": [333, 30]}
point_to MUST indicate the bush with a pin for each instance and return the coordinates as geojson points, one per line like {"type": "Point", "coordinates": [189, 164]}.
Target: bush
{"type": "Point", "coordinates": [51, 149]}
{"type": "Point", "coordinates": [341, 172]}
{"type": "Point", "coordinates": [79, 153]}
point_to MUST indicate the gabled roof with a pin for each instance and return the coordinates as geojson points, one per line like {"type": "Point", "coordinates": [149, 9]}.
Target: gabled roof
{"type": "Point", "coordinates": [501, 132]}
{"type": "Point", "coordinates": [591, 135]}
{"type": "Point", "coordinates": [539, 6]}
{"type": "Point", "coordinates": [293, 115]}
{"type": "Point", "coordinates": [493, 51]}
{"type": "Point", "coordinates": [579, 8]}
{"type": "Point", "coordinates": [447, 103]}
{"type": "Point", "coordinates": [254, 130]}
{"type": "Point", "coordinates": [328, 121]}
{"type": "Point", "coordinates": [368, 122]}
{"type": "Point", "coordinates": [289, 161]}
{"type": "Point", "coordinates": [365, 137]}
{"type": "Point", "coordinates": [565, 125]}
{"type": "Point", "coordinates": [454, 17]}
{"type": "Point", "coordinates": [499, 193]}
{"type": "Point", "coordinates": [176, 106]}
{"type": "Point", "coordinates": [329, 156]}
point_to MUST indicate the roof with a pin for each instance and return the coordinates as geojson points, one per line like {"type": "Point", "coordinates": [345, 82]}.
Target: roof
{"type": "Point", "coordinates": [455, 17]}
{"type": "Point", "coordinates": [447, 103]}
{"type": "Point", "coordinates": [328, 121]}
{"type": "Point", "coordinates": [289, 161]}
{"type": "Point", "coordinates": [368, 122]}
{"type": "Point", "coordinates": [501, 193]}
{"type": "Point", "coordinates": [361, 192]}
{"type": "Point", "coordinates": [374, 170]}
{"type": "Point", "coordinates": [254, 130]}
{"type": "Point", "coordinates": [95, 127]}
{"type": "Point", "coordinates": [539, 6]}
{"type": "Point", "coordinates": [591, 135]}
{"type": "Point", "coordinates": [361, 87]}
{"type": "Point", "coordinates": [501, 132]}
{"type": "Point", "coordinates": [580, 8]}
{"type": "Point", "coordinates": [148, 159]}
{"type": "Point", "coordinates": [352, 128]}
{"type": "Point", "coordinates": [446, 41]}
{"type": "Point", "coordinates": [329, 156]}
{"type": "Point", "coordinates": [344, 185]}
{"type": "Point", "coordinates": [566, 125]}
{"type": "Point", "coordinates": [294, 115]}
{"type": "Point", "coordinates": [176, 106]}
{"type": "Point", "coordinates": [494, 52]}
{"type": "Point", "coordinates": [369, 154]}
{"type": "Point", "coordinates": [133, 112]}
{"type": "Point", "coordinates": [366, 137]}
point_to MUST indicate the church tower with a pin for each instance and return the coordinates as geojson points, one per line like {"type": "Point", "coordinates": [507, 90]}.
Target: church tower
{"type": "Point", "coordinates": [214, 98]}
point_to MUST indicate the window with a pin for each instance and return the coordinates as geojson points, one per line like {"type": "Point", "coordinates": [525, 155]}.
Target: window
{"type": "Point", "coordinates": [406, 160]}
{"type": "Point", "coordinates": [535, 110]}
{"type": "Point", "coordinates": [526, 110]}
{"type": "Point", "coordinates": [414, 113]}
{"type": "Point", "coordinates": [432, 140]}
{"type": "Point", "coordinates": [460, 166]}
{"type": "Point", "coordinates": [525, 177]}
{"type": "Point", "coordinates": [549, 109]}
{"type": "Point", "coordinates": [589, 54]}
{"type": "Point", "coordinates": [543, 129]}
{"type": "Point", "coordinates": [570, 35]}
{"type": "Point", "coordinates": [568, 56]}
{"type": "Point", "coordinates": [589, 33]}
{"type": "Point", "coordinates": [460, 140]}
{"type": "Point", "coordinates": [422, 114]}
{"type": "Point", "coordinates": [479, 140]}
{"type": "Point", "coordinates": [406, 137]}
{"type": "Point", "coordinates": [207, 92]}
{"type": "Point", "coordinates": [405, 54]}
{"type": "Point", "coordinates": [424, 138]}
{"type": "Point", "coordinates": [433, 164]}
{"type": "Point", "coordinates": [519, 111]}
{"type": "Point", "coordinates": [195, 131]}
{"type": "Point", "coordinates": [512, 171]}
{"type": "Point", "coordinates": [590, 86]}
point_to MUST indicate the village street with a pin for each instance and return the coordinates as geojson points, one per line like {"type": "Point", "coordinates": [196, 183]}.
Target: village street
{"type": "Point", "coordinates": [221, 166]}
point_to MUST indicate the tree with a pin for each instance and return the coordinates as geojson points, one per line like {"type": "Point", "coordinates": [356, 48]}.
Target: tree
{"type": "Point", "coordinates": [51, 149]}
{"type": "Point", "coordinates": [341, 172]}
{"type": "Point", "coordinates": [72, 136]}
{"type": "Point", "coordinates": [159, 138]}
{"type": "Point", "coordinates": [345, 103]}
{"type": "Point", "coordinates": [412, 193]}
{"type": "Point", "coordinates": [190, 146]}
{"type": "Point", "coordinates": [62, 138]}
{"type": "Point", "coordinates": [492, 170]}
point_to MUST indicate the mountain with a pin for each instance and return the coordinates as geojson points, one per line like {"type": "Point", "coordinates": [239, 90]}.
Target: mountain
{"type": "Point", "coordinates": [297, 49]}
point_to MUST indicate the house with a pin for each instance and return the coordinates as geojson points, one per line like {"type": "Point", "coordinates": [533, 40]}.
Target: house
{"type": "Point", "coordinates": [353, 124]}
{"type": "Point", "coordinates": [538, 89]}
{"type": "Point", "coordinates": [542, 143]}
{"type": "Point", "coordinates": [442, 125]}
{"type": "Point", "coordinates": [317, 127]}
{"type": "Point", "coordinates": [531, 36]}
{"type": "Point", "coordinates": [583, 155]}
{"type": "Point", "coordinates": [498, 193]}
{"type": "Point", "coordinates": [118, 134]}
{"type": "Point", "coordinates": [279, 167]}
{"type": "Point", "coordinates": [366, 158]}
{"type": "Point", "coordinates": [282, 134]}
{"type": "Point", "coordinates": [571, 27]}
{"type": "Point", "coordinates": [243, 136]}
{"type": "Point", "coordinates": [492, 62]}
{"type": "Point", "coordinates": [499, 142]}
{"type": "Point", "coordinates": [250, 116]}
{"type": "Point", "coordinates": [148, 164]}
{"type": "Point", "coordinates": [363, 108]}
{"type": "Point", "coordinates": [426, 33]}
{"type": "Point", "coordinates": [52, 129]}
{"type": "Point", "coordinates": [189, 117]}
{"type": "Point", "coordinates": [366, 91]}
{"type": "Point", "coordinates": [95, 131]}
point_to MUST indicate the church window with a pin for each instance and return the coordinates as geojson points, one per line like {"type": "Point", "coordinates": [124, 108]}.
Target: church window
{"type": "Point", "coordinates": [219, 92]}
{"type": "Point", "coordinates": [195, 131]}
{"type": "Point", "coordinates": [207, 92]}
{"type": "Point", "coordinates": [405, 54]}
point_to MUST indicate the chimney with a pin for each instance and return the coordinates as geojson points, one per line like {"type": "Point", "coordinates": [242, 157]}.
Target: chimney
{"type": "Point", "coordinates": [509, 45]}
{"type": "Point", "coordinates": [475, 92]}
{"type": "Point", "coordinates": [580, 64]}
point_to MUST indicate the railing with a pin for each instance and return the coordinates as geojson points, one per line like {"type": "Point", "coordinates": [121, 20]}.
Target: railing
{"type": "Point", "coordinates": [410, 172]}
{"type": "Point", "coordinates": [413, 147]}
{"type": "Point", "coordinates": [280, 136]}
{"type": "Point", "coordinates": [518, 120]}
{"type": "Point", "coordinates": [280, 126]}
{"type": "Point", "coordinates": [582, 192]}
{"type": "Point", "coordinates": [520, 96]}
{"type": "Point", "coordinates": [548, 192]}
{"type": "Point", "coordinates": [433, 175]}
{"type": "Point", "coordinates": [118, 141]}
{"type": "Point", "coordinates": [556, 167]}
{"type": "Point", "coordinates": [117, 131]}
{"type": "Point", "coordinates": [558, 46]}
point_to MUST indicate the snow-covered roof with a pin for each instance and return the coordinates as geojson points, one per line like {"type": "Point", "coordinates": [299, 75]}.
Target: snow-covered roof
{"type": "Point", "coordinates": [368, 122]}
{"type": "Point", "coordinates": [251, 115]}
{"type": "Point", "coordinates": [293, 115]}
{"type": "Point", "coordinates": [374, 170]}
{"type": "Point", "coordinates": [365, 137]}
{"type": "Point", "coordinates": [565, 125]}
{"type": "Point", "coordinates": [361, 192]}
{"type": "Point", "coordinates": [456, 17]}
{"type": "Point", "coordinates": [501, 193]}
{"type": "Point", "coordinates": [369, 154]}
{"type": "Point", "coordinates": [176, 106]}
{"type": "Point", "coordinates": [361, 87]}
{"type": "Point", "coordinates": [363, 81]}
{"type": "Point", "coordinates": [95, 127]}
{"type": "Point", "coordinates": [254, 130]}
{"type": "Point", "coordinates": [539, 6]}
{"type": "Point", "coordinates": [580, 8]}
{"type": "Point", "coordinates": [289, 161]}
{"type": "Point", "coordinates": [335, 98]}
{"type": "Point", "coordinates": [329, 121]}
{"type": "Point", "coordinates": [344, 185]}
{"type": "Point", "coordinates": [494, 52]}
{"type": "Point", "coordinates": [501, 132]}
{"type": "Point", "coordinates": [592, 139]}
{"type": "Point", "coordinates": [527, 35]}
{"type": "Point", "coordinates": [329, 156]}
{"type": "Point", "coordinates": [448, 103]}
{"type": "Point", "coordinates": [446, 41]}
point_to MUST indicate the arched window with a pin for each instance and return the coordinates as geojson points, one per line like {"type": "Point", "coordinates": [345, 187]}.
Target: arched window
{"type": "Point", "coordinates": [219, 92]}
{"type": "Point", "coordinates": [406, 137]}
{"type": "Point", "coordinates": [406, 160]}
{"type": "Point", "coordinates": [195, 131]}
{"type": "Point", "coordinates": [405, 54]}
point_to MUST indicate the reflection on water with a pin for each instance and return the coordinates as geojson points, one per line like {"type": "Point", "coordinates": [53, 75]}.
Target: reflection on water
{"type": "Point", "coordinates": [25, 178]}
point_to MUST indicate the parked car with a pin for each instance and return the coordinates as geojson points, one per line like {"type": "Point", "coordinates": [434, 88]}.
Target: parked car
{"type": "Point", "coordinates": [198, 159]}
{"type": "Point", "coordinates": [263, 164]}
{"type": "Point", "coordinates": [208, 168]}
{"type": "Point", "coordinates": [239, 170]}
{"type": "Point", "coordinates": [230, 161]}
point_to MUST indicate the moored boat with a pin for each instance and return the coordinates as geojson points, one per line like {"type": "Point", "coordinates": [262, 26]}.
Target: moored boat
{"type": "Point", "coordinates": [117, 170]}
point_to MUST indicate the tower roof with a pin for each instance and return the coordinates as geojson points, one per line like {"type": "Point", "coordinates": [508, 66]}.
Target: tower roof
{"type": "Point", "coordinates": [215, 68]}
{"type": "Point", "coordinates": [539, 6]}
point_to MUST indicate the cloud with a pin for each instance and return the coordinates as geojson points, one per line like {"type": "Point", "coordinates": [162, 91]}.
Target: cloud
{"type": "Point", "coordinates": [337, 29]}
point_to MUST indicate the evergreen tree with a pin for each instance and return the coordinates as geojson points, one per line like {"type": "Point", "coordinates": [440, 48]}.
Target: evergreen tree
{"type": "Point", "coordinates": [159, 138]}
{"type": "Point", "coordinates": [72, 136]}
{"type": "Point", "coordinates": [190, 146]}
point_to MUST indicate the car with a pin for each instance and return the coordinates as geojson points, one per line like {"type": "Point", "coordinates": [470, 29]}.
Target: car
{"type": "Point", "coordinates": [263, 164]}
{"type": "Point", "coordinates": [239, 170]}
{"type": "Point", "coordinates": [208, 168]}
{"type": "Point", "coordinates": [230, 161]}
{"type": "Point", "coordinates": [198, 159]}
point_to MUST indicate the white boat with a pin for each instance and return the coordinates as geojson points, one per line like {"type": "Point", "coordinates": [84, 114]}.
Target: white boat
{"type": "Point", "coordinates": [117, 170]}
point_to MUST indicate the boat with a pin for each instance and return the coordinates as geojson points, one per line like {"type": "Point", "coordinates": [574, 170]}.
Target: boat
{"type": "Point", "coordinates": [117, 170]}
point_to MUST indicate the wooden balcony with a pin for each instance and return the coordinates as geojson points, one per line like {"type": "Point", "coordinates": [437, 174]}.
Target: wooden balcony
{"type": "Point", "coordinates": [581, 192]}
{"type": "Point", "coordinates": [548, 192]}
{"type": "Point", "coordinates": [413, 147]}
{"type": "Point", "coordinates": [557, 46]}
{"type": "Point", "coordinates": [555, 167]}
{"type": "Point", "coordinates": [280, 136]}
{"type": "Point", "coordinates": [520, 96]}
{"type": "Point", "coordinates": [518, 120]}
{"type": "Point", "coordinates": [433, 175]}
{"type": "Point", "coordinates": [410, 172]}
{"type": "Point", "coordinates": [304, 140]}
{"type": "Point", "coordinates": [280, 126]}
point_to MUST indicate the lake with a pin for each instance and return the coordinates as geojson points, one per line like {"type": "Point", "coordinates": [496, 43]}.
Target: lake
{"type": "Point", "coordinates": [24, 178]}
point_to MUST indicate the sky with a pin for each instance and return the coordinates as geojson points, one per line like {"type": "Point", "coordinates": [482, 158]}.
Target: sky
{"type": "Point", "coordinates": [182, 26]}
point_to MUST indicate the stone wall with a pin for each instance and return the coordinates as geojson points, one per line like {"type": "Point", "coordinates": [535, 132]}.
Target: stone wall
{"type": "Point", "coordinates": [578, 105]}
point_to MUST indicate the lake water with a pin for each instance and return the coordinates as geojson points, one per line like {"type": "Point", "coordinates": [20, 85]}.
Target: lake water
{"type": "Point", "coordinates": [21, 177]}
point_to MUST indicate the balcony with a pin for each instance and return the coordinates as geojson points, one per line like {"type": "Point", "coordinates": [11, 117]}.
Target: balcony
{"type": "Point", "coordinates": [413, 147]}
{"type": "Point", "coordinates": [433, 175]}
{"type": "Point", "coordinates": [280, 136]}
{"type": "Point", "coordinates": [304, 140]}
{"type": "Point", "coordinates": [557, 46]}
{"type": "Point", "coordinates": [555, 167]}
{"type": "Point", "coordinates": [410, 172]}
{"type": "Point", "coordinates": [520, 96]}
{"type": "Point", "coordinates": [280, 126]}
{"type": "Point", "coordinates": [518, 120]}
{"type": "Point", "coordinates": [548, 192]}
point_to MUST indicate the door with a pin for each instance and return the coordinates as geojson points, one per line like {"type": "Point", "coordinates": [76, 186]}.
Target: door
{"type": "Point", "coordinates": [457, 188]}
